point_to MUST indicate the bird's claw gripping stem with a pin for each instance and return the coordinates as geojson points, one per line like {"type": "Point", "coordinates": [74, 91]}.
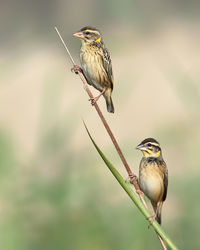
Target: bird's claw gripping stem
{"type": "Point", "coordinates": [152, 220]}
{"type": "Point", "coordinates": [94, 100]}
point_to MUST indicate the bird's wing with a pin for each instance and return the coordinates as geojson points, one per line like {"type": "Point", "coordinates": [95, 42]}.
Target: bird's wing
{"type": "Point", "coordinates": [165, 183]}
{"type": "Point", "coordinates": [107, 64]}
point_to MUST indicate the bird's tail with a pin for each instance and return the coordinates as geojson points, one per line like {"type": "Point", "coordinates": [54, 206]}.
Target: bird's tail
{"type": "Point", "coordinates": [109, 103]}
{"type": "Point", "coordinates": [158, 210]}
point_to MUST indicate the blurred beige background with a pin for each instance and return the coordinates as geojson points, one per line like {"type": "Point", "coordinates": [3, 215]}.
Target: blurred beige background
{"type": "Point", "coordinates": [56, 192]}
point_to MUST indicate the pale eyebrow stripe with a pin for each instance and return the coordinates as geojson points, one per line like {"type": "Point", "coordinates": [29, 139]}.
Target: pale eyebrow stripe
{"type": "Point", "coordinates": [92, 31]}
{"type": "Point", "coordinates": [154, 144]}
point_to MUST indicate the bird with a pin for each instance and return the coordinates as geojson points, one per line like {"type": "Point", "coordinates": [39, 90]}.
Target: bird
{"type": "Point", "coordinates": [96, 64]}
{"type": "Point", "coordinates": [153, 175]}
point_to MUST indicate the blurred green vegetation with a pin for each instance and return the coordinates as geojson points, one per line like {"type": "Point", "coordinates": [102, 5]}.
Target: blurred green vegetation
{"type": "Point", "coordinates": [74, 209]}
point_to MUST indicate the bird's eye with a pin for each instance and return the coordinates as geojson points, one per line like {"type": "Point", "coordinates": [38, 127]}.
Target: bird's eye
{"type": "Point", "coordinates": [87, 33]}
{"type": "Point", "coordinates": [149, 144]}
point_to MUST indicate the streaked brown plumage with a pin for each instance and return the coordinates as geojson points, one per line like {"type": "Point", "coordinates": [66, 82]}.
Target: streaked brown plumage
{"type": "Point", "coordinates": [96, 63]}
{"type": "Point", "coordinates": [153, 175]}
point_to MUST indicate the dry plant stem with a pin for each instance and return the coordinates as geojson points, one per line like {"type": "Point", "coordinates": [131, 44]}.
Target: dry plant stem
{"type": "Point", "coordinates": [132, 176]}
{"type": "Point", "coordinates": [161, 242]}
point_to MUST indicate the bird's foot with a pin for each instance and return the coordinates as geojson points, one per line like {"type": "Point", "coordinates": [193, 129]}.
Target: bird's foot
{"type": "Point", "coordinates": [153, 217]}
{"type": "Point", "coordinates": [93, 100]}
{"type": "Point", "coordinates": [133, 178]}
{"type": "Point", "coordinates": [76, 69]}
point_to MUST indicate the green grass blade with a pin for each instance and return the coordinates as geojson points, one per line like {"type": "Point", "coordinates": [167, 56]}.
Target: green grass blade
{"type": "Point", "coordinates": [132, 195]}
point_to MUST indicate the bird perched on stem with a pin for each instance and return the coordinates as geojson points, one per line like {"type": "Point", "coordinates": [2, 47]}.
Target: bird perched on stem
{"type": "Point", "coordinates": [153, 175]}
{"type": "Point", "coordinates": [96, 64]}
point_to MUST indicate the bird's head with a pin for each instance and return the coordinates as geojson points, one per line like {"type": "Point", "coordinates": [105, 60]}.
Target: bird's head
{"type": "Point", "coordinates": [89, 34]}
{"type": "Point", "coordinates": [150, 148]}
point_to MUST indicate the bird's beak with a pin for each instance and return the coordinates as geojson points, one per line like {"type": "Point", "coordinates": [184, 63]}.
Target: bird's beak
{"type": "Point", "coordinates": [141, 147]}
{"type": "Point", "coordinates": [78, 34]}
